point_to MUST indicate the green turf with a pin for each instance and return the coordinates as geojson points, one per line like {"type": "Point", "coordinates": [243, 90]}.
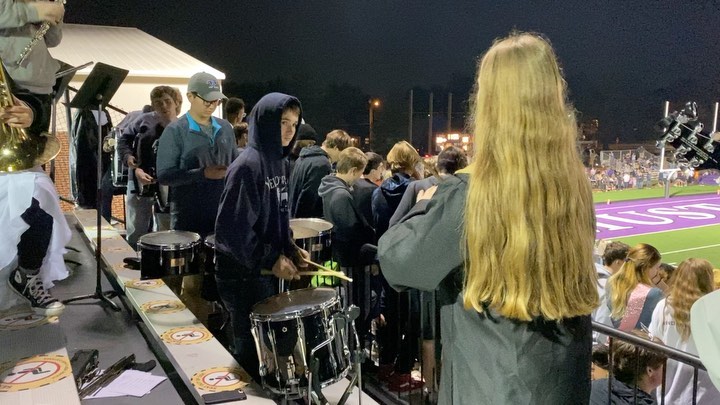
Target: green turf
{"type": "Point", "coordinates": [676, 246]}
{"type": "Point", "coordinates": [653, 192]}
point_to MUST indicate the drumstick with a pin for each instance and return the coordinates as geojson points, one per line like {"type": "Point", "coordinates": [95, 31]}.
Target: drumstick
{"type": "Point", "coordinates": [321, 267]}
{"type": "Point", "coordinates": [333, 273]}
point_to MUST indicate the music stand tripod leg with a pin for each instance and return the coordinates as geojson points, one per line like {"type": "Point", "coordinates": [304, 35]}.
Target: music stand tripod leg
{"type": "Point", "coordinates": [103, 297]}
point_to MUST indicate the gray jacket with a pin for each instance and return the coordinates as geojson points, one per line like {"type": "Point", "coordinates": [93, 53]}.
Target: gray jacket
{"type": "Point", "coordinates": [17, 28]}
{"type": "Point", "coordinates": [486, 358]}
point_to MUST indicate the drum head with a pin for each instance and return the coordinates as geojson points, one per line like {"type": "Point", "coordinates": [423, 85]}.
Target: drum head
{"type": "Point", "coordinates": [168, 240]}
{"type": "Point", "coordinates": [317, 224]}
{"type": "Point", "coordinates": [300, 232]}
{"type": "Point", "coordinates": [293, 304]}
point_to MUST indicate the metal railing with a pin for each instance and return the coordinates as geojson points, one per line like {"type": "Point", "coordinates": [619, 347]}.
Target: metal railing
{"type": "Point", "coordinates": [671, 353]}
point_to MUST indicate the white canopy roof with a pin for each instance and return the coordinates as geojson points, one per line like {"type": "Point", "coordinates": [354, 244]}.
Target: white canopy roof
{"type": "Point", "coordinates": [128, 48]}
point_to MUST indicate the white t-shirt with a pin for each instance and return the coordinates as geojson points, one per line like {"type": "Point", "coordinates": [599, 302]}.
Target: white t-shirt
{"type": "Point", "coordinates": [679, 376]}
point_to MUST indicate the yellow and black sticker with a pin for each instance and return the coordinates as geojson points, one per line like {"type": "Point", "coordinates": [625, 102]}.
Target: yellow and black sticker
{"type": "Point", "coordinates": [144, 284]}
{"type": "Point", "coordinates": [162, 307]}
{"type": "Point", "coordinates": [33, 372]}
{"type": "Point", "coordinates": [220, 379]}
{"type": "Point", "coordinates": [186, 335]}
{"type": "Point", "coordinates": [23, 321]}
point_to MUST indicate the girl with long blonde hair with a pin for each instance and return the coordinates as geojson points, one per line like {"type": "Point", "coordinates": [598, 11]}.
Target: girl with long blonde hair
{"type": "Point", "coordinates": [670, 322]}
{"type": "Point", "coordinates": [509, 241]}
{"type": "Point", "coordinates": [631, 296]}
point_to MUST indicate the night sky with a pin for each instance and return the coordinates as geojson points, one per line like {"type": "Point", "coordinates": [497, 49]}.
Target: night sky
{"type": "Point", "coordinates": [621, 59]}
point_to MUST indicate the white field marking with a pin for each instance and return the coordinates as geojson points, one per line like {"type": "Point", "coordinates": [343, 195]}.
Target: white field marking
{"type": "Point", "coordinates": [690, 249]}
{"type": "Point", "coordinates": [666, 230]}
{"type": "Point", "coordinates": [669, 201]}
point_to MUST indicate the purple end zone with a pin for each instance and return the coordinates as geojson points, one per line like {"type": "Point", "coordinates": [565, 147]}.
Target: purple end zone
{"type": "Point", "coordinates": [629, 218]}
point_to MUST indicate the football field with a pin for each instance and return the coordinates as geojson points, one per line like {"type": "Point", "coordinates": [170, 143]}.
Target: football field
{"type": "Point", "coordinates": [685, 225]}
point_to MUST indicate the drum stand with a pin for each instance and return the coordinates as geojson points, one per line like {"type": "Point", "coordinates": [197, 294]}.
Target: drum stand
{"type": "Point", "coordinates": [315, 395]}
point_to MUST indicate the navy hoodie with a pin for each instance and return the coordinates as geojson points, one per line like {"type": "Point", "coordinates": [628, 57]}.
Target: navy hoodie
{"type": "Point", "coordinates": [252, 225]}
{"type": "Point", "coordinates": [386, 199]}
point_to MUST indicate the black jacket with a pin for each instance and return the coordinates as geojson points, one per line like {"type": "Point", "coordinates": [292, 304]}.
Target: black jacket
{"type": "Point", "coordinates": [310, 168]}
{"type": "Point", "coordinates": [362, 191]}
{"type": "Point", "coordinates": [621, 394]}
{"type": "Point", "coordinates": [350, 230]}
{"type": "Point", "coordinates": [252, 224]}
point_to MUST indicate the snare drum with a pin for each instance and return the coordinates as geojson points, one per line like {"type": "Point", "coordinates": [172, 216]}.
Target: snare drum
{"type": "Point", "coordinates": [313, 235]}
{"type": "Point", "coordinates": [169, 253]}
{"type": "Point", "coordinates": [293, 329]}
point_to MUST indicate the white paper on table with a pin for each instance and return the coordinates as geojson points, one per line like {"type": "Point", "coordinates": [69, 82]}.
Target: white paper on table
{"type": "Point", "coordinates": [130, 382]}
{"type": "Point", "coordinates": [135, 383]}
{"type": "Point", "coordinates": [104, 393]}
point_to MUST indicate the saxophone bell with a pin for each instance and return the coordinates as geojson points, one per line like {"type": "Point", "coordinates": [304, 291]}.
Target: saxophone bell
{"type": "Point", "coordinates": [19, 150]}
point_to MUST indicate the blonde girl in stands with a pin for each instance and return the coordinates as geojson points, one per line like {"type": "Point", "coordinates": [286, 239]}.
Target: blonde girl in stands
{"type": "Point", "coordinates": [508, 242]}
{"type": "Point", "coordinates": [671, 323]}
{"type": "Point", "coordinates": [631, 297]}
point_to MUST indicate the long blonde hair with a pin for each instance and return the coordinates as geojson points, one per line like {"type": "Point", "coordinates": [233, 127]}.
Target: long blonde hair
{"type": "Point", "coordinates": [640, 259]}
{"type": "Point", "coordinates": [529, 218]}
{"type": "Point", "coordinates": [692, 279]}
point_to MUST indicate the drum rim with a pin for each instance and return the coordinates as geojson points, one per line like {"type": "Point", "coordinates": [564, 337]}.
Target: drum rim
{"type": "Point", "coordinates": [173, 246]}
{"type": "Point", "coordinates": [297, 313]}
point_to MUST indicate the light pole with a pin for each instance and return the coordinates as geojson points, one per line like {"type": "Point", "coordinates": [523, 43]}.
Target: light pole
{"type": "Point", "coordinates": [373, 104]}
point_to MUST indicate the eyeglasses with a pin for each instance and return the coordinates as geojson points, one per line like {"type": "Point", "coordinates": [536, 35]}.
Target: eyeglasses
{"type": "Point", "coordinates": [207, 103]}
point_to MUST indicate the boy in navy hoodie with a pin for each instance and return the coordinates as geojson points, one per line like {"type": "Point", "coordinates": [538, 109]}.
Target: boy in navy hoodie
{"type": "Point", "coordinates": [252, 230]}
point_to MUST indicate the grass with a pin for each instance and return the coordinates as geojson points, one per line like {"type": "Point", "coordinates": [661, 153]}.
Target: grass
{"type": "Point", "coordinates": [652, 192]}
{"type": "Point", "coordinates": [676, 246]}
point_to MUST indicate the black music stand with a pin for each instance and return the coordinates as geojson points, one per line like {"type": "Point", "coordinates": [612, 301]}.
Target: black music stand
{"type": "Point", "coordinates": [95, 94]}
{"type": "Point", "coordinates": [62, 79]}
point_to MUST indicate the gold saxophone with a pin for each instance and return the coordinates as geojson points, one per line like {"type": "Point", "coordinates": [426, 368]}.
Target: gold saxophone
{"type": "Point", "coordinates": [39, 36]}
{"type": "Point", "coordinates": [19, 150]}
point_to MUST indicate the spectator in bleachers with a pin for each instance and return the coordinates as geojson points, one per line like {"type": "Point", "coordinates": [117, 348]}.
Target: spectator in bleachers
{"type": "Point", "coordinates": [405, 164]}
{"type": "Point", "coordinates": [671, 323]}
{"type": "Point", "coordinates": [306, 136]}
{"type": "Point", "coordinates": [612, 260]}
{"type": "Point", "coordinates": [241, 136]}
{"type": "Point", "coordinates": [662, 278]}
{"type": "Point", "coordinates": [510, 254]}
{"type": "Point", "coordinates": [314, 163]}
{"type": "Point", "coordinates": [716, 278]}
{"type": "Point", "coordinates": [450, 160]}
{"type": "Point", "coordinates": [350, 228]}
{"type": "Point", "coordinates": [363, 188]}
{"type": "Point", "coordinates": [631, 297]}
{"type": "Point", "coordinates": [234, 111]}
{"type": "Point", "coordinates": [632, 365]}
